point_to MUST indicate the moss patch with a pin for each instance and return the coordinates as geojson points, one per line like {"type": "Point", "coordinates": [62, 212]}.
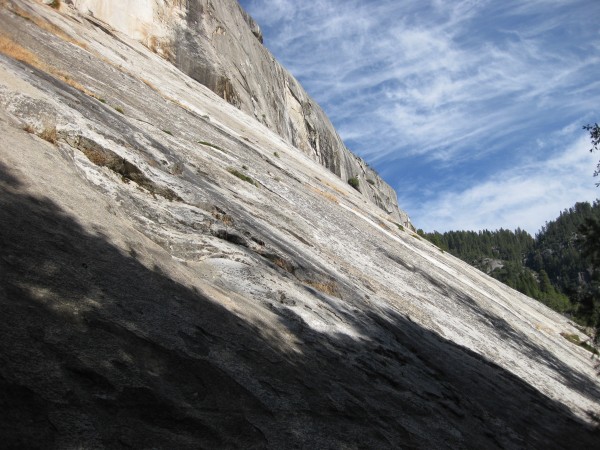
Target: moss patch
{"type": "Point", "coordinates": [129, 172]}
{"type": "Point", "coordinates": [241, 176]}
{"type": "Point", "coordinates": [574, 339]}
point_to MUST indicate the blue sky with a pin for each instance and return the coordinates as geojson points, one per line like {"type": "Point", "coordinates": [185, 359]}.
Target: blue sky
{"type": "Point", "coordinates": [471, 110]}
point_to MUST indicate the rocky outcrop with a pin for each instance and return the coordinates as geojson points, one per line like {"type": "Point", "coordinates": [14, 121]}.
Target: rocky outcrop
{"type": "Point", "coordinates": [220, 45]}
{"type": "Point", "coordinates": [173, 274]}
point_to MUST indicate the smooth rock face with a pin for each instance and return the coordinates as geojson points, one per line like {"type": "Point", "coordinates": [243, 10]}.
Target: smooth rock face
{"type": "Point", "coordinates": [173, 274]}
{"type": "Point", "coordinates": [219, 45]}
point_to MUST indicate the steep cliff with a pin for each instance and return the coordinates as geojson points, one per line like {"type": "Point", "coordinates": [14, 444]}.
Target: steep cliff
{"type": "Point", "coordinates": [174, 274]}
{"type": "Point", "coordinates": [219, 45]}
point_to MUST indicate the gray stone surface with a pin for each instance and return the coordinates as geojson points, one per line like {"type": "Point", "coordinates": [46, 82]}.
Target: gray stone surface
{"type": "Point", "coordinates": [151, 298]}
{"type": "Point", "coordinates": [219, 45]}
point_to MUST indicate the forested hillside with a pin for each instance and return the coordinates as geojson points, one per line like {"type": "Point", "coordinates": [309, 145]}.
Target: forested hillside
{"type": "Point", "coordinates": [553, 267]}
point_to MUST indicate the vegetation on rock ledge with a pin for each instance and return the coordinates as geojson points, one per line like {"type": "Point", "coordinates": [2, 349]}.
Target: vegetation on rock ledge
{"type": "Point", "coordinates": [241, 175]}
{"type": "Point", "coordinates": [353, 181]}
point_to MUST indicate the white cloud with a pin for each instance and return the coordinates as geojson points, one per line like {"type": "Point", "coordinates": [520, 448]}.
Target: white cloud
{"type": "Point", "coordinates": [453, 83]}
{"type": "Point", "coordinates": [526, 196]}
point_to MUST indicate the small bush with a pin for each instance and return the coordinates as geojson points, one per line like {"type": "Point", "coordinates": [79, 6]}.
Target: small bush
{"type": "Point", "coordinates": [573, 338]}
{"type": "Point", "coordinates": [49, 134]}
{"type": "Point", "coordinates": [276, 155]}
{"type": "Point", "coordinates": [167, 132]}
{"type": "Point", "coordinates": [55, 4]}
{"type": "Point", "coordinates": [353, 181]}
{"type": "Point", "coordinates": [221, 215]}
{"type": "Point", "coordinates": [177, 168]}
{"type": "Point", "coordinates": [400, 227]}
{"type": "Point", "coordinates": [589, 348]}
{"type": "Point", "coordinates": [119, 109]}
{"type": "Point", "coordinates": [241, 176]}
{"type": "Point", "coordinates": [279, 261]}
{"type": "Point", "coordinates": [328, 287]}
{"type": "Point", "coordinates": [99, 158]}
{"type": "Point", "coordinates": [370, 181]}
{"type": "Point", "coordinates": [129, 172]}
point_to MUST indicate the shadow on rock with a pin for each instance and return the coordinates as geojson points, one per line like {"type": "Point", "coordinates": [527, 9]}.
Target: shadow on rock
{"type": "Point", "coordinates": [98, 350]}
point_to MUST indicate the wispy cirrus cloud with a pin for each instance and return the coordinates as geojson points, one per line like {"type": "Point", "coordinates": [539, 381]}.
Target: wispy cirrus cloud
{"type": "Point", "coordinates": [444, 96]}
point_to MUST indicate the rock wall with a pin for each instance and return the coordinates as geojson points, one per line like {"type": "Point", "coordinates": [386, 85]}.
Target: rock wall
{"type": "Point", "coordinates": [220, 45]}
{"type": "Point", "coordinates": [173, 274]}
